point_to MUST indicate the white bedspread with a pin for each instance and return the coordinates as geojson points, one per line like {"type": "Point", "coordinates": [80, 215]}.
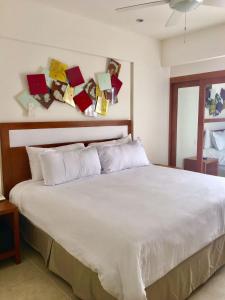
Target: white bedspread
{"type": "Point", "coordinates": [131, 227]}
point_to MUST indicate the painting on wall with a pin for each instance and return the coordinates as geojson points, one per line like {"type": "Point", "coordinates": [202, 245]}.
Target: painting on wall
{"type": "Point", "coordinates": [67, 85]}
{"type": "Point", "coordinates": [215, 99]}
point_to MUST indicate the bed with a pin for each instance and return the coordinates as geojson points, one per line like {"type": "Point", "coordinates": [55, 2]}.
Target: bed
{"type": "Point", "coordinates": [143, 233]}
{"type": "Point", "coordinates": [210, 150]}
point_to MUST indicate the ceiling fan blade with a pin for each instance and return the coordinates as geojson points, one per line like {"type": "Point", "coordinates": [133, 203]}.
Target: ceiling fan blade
{"type": "Point", "coordinates": [142, 5]}
{"type": "Point", "coordinates": [174, 18]}
{"type": "Point", "coordinates": [216, 3]}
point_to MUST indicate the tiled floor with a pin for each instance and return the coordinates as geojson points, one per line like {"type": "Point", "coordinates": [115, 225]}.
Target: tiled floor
{"type": "Point", "coordinates": [30, 280]}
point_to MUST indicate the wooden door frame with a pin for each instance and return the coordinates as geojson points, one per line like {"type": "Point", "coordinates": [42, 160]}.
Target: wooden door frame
{"type": "Point", "coordinates": [200, 80]}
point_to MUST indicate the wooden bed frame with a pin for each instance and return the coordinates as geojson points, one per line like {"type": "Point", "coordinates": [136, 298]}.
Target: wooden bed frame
{"type": "Point", "coordinates": [15, 163]}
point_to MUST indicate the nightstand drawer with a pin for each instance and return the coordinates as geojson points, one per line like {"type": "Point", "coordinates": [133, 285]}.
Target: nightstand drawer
{"type": "Point", "coordinates": [9, 231]}
{"type": "Point", "coordinates": [6, 237]}
{"type": "Point", "coordinates": [212, 169]}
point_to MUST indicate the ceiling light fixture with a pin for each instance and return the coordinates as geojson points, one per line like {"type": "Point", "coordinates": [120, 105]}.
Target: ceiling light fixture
{"type": "Point", "coordinates": [178, 7]}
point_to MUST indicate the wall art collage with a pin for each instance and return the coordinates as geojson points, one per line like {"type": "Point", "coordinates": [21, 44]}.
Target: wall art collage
{"type": "Point", "coordinates": [67, 85]}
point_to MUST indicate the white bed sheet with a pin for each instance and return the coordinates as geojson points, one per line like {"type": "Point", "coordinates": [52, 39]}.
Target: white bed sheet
{"type": "Point", "coordinates": [214, 153]}
{"type": "Point", "coordinates": [132, 227]}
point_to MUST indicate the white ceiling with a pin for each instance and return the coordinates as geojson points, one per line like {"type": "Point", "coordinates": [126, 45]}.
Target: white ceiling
{"type": "Point", "coordinates": [154, 17]}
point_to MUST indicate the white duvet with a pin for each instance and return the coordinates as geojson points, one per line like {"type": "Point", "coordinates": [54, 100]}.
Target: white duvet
{"type": "Point", "coordinates": [131, 227]}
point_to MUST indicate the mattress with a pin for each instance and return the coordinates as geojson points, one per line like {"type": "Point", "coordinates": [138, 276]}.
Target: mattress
{"type": "Point", "coordinates": [130, 227]}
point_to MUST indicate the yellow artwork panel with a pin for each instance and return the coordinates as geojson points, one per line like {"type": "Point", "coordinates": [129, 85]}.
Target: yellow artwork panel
{"type": "Point", "coordinates": [57, 70]}
{"type": "Point", "coordinates": [102, 106]}
{"type": "Point", "coordinates": [68, 96]}
{"type": "Point", "coordinates": [99, 93]}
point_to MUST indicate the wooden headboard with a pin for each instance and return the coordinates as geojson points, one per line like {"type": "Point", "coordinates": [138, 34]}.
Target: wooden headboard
{"type": "Point", "coordinates": [15, 163]}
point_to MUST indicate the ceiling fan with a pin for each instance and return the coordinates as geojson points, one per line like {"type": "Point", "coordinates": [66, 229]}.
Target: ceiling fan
{"type": "Point", "coordinates": [179, 7]}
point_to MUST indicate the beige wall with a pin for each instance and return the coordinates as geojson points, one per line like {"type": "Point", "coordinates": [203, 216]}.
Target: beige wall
{"type": "Point", "coordinates": [27, 58]}
{"type": "Point", "coordinates": [31, 33]}
{"type": "Point", "coordinates": [200, 46]}
{"type": "Point", "coordinates": [210, 65]}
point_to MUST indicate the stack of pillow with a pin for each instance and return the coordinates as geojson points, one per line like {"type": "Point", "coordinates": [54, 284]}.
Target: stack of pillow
{"type": "Point", "coordinates": [215, 139]}
{"type": "Point", "coordinates": [62, 164]}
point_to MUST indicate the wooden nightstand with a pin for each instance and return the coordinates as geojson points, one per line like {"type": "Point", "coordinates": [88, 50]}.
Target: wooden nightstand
{"type": "Point", "coordinates": [210, 165]}
{"type": "Point", "coordinates": [9, 217]}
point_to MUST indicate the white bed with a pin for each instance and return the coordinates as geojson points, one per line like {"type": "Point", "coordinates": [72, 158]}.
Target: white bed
{"type": "Point", "coordinates": [131, 227]}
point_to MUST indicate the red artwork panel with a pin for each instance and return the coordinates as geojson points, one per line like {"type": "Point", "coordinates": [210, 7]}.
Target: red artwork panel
{"type": "Point", "coordinates": [74, 76]}
{"type": "Point", "coordinates": [116, 84]}
{"type": "Point", "coordinates": [82, 100]}
{"type": "Point", "coordinates": [37, 84]}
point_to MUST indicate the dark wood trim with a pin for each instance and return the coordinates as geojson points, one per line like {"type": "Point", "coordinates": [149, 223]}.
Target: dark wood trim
{"type": "Point", "coordinates": [7, 254]}
{"type": "Point", "coordinates": [173, 126]}
{"type": "Point", "coordinates": [186, 84]}
{"type": "Point", "coordinates": [200, 133]}
{"type": "Point", "coordinates": [200, 76]}
{"type": "Point", "coordinates": [16, 236]}
{"type": "Point", "coordinates": [6, 161]}
{"type": "Point", "coordinates": [64, 124]}
{"type": "Point", "coordinates": [15, 164]}
{"type": "Point", "coordinates": [214, 120]}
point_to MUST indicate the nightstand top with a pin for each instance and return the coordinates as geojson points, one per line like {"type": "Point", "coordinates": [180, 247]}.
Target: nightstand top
{"type": "Point", "coordinates": [205, 161]}
{"type": "Point", "coordinates": [6, 207]}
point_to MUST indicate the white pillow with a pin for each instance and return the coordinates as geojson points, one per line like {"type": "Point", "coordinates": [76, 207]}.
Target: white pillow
{"type": "Point", "coordinates": [208, 142]}
{"type": "Point", "coordinates": [218, 140]}
{"type": "Point", "coordinates": [60, 166]}
{"type": "Point", "coordinates": [119, 157]}
{"type": "Point", "coordinates": [34, 160]}
{"type": "Point", "coordinates": [123, 140]}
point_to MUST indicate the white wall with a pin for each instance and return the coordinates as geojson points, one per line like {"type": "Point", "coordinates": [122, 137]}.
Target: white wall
{"type": "Point", "coordinates": [204, 51]}
{"type": "Point", "coordinates": [27, 58]}
{"type": "Point", "coordinates": [210, 65]}
{"type": "Point", "coordinates": [31, 33]}
{"type": "Point", "coordinates": [200, 46]}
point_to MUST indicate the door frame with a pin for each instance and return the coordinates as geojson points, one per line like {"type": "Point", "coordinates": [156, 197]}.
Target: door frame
{"type": "Point", "coordinates": [200, 80]}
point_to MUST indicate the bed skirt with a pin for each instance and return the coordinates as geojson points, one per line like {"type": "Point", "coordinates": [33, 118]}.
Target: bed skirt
{"type": "Point", "coordinates": [179, 283]}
